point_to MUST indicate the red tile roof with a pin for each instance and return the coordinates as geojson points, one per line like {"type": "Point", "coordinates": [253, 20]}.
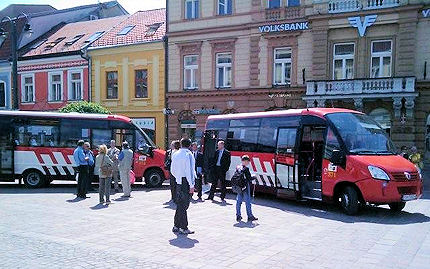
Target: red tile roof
{"type": "Point", "coordinates": [141, 20]}
{"type": "Point", "coordinates": [69, 32]}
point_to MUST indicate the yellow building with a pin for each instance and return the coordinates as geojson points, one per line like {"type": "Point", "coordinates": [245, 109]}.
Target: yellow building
{"type": "Point", "coordinates": [127, 71]}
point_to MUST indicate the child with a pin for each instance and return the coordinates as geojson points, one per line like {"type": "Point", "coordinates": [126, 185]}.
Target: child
{"type": "Point", "coordinates": [245, 194]}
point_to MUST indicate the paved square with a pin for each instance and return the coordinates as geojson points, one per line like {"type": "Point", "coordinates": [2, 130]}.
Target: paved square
{"type": "Point", "coordinates": [46, 228]}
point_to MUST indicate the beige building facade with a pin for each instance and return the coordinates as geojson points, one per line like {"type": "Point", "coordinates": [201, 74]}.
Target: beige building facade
{"type": "Point", "coordinates": [234, 56]}
{"type": "Point", "coordinates": [373, 57]}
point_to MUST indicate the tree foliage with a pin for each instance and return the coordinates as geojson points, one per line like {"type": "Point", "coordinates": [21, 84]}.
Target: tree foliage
{"type": "Point", "coordinates": [84, 107]}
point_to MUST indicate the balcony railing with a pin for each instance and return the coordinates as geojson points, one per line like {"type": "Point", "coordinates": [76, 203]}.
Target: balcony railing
{"type": "Point", "coordinates": [361, 86]}
{"type": "Point", "coordinates": [274, 14]}
{"type": "Point", "coordinates": [339, 6]}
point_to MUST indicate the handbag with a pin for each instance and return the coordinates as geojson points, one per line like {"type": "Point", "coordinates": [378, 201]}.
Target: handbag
{"type": "Point", "coordinates": [105, 169]}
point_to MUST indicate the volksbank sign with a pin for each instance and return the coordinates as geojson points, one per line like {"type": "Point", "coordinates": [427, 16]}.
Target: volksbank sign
{"type": "Point", "coordinates": [284, 27]}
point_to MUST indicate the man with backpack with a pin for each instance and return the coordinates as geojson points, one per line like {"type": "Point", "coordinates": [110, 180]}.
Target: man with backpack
{"type": "Point", "coordinates": [241, 184]}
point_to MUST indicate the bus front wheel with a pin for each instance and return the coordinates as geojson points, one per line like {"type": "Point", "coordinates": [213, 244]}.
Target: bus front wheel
{"type": "Point", "coordinates": [349, 200]}
{"type": "Point", "coordinates": [397, 207]}
{"type": "Point", "coordinates": [153, 178]}
{"type": "Point", "coordinates": [33, 179]}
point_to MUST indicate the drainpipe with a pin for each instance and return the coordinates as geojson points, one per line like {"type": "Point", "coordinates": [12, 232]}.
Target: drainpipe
{"type": "Point", "coordinates": [85, 57]}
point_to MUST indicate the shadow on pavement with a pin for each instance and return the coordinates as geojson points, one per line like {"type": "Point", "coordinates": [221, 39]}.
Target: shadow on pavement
{"type": "Point", "coordinates": [64, 187]}
{"type": "Point", "coordinates": [369, 214]}
{"type": "Point", "coordinates": [99, 206]}
{"type": "Point", "coordinates": [243, 224]}
{"type": "Point", "coordinates": [182, 241]}
{"type": "Point", "coordinates": [75, 200]}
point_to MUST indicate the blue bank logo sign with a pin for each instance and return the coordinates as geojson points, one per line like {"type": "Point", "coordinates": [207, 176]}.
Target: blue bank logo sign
{"type": "Point", "coordinates": [284, 27]}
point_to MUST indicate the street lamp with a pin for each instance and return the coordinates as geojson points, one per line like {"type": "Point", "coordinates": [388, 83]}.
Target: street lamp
{"type": "Point", "coordinates": [14, 40]}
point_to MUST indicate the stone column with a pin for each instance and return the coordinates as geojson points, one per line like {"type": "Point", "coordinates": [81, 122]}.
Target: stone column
{"type": "Point", "coordinates": [397, 106]}
{"type": "Point", "coordinates": [358, 103]}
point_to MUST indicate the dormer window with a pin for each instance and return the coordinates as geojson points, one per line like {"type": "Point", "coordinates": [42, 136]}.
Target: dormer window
{"type": "Point", "coordinates": [52, 44]}
{"type": "Point", "coordinates": [73, 40]}
{"type": "Point", "coordinates": [153, 28]}
{"type": "Point", "coordinates": [38, 44]}
{"type": "Point", "coordinates": [126, 30]}
{"type": "Point", "coordinates": [94, 37]}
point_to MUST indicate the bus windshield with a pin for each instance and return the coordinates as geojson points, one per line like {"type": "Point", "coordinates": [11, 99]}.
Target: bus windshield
{"type": "Point", "coordinates": [142, 138]}
{"type": "Point", "coordinates": [361, 134]}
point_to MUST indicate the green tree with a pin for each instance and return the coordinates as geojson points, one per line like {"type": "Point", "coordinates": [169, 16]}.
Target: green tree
{"type": "Point", "coordinates": [84, 107]}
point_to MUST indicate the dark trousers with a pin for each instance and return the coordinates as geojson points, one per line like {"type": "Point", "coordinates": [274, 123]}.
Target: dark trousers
{"type": "Point", "coordinates": [90, 177]}
{"type": "Point", "coordinates": [173, 187]}
{"type": "Point", "coordinates": [182, 203]}
{"type": "Point", "coordinates": [199, 184]}
{"type": "Point", "coordinates": [218, 175]}
{"type": "Point", "coordinates": [83, 178]}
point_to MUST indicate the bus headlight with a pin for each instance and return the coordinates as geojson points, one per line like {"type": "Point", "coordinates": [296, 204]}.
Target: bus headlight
{"type": "Point", "coordinates": [378, 173]}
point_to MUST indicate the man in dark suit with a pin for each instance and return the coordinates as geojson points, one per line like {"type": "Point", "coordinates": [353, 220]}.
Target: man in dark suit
{"type": "Point", "coordinates": [198, 156]}
{"type": "Point", "coordinates": [220, 165]}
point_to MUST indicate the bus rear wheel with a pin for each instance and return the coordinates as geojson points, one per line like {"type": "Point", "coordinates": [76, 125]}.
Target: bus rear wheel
{"type": "Point", "coordinates": [397, 207]}
{"type": "Point", "coordinates": [33, 179]}
{"type": "Point", "coordinates": [153, 178]}
{"type": "Point", "coordinates": [349, 200]}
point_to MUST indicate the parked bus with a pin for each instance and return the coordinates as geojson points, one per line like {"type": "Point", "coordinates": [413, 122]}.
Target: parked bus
{"type": "Point", "coordinates": [325, 154]}
{"type": "Point", "coordinates": [38, 146]}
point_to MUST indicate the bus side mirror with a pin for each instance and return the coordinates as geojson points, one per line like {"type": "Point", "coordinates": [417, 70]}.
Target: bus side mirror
{"type": "Point", "coordinates": [145, 150]}
{"type": "Point", "coordinates": [337, 157]}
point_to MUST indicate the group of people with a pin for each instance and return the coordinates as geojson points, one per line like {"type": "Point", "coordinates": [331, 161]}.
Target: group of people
{"type": "Point", "coordinates": [412, 155]}
{"type": "Point", "coordinates": [185, 163]}
{"type": "Point", "coordinates": [110, 164]}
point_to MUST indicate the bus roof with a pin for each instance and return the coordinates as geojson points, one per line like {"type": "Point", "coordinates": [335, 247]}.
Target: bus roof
{"type": "Point", "coordinates": [320, 112]}
{"type": "Point", "coordinates": [72, 115]}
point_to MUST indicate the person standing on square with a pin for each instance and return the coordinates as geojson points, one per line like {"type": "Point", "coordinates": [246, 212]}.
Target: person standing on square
{"type": "Point", "coordinates": [125, 158]}
{"type": "Point", "coordinates": [182, 168]}
{"type": "Point", "coordinates": [113, 153]}
{"type": "Point", "coordinates": [220, 165]}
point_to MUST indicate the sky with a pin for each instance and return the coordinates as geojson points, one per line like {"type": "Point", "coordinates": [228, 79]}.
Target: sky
{"type": "Point", "coordinates": [130, 5]}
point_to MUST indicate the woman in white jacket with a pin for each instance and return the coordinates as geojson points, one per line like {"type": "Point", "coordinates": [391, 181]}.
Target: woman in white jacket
{"type": "Point", "coordinates": [104, 166]}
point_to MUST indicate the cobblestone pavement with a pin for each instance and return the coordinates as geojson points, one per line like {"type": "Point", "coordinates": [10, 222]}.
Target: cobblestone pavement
{"type": "Point", "coordinates": [48, 228]}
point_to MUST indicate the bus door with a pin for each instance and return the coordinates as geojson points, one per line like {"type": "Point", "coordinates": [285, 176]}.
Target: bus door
{"type": "Point", "coordinates": [6, 147]}
{"type": "Point", "coordinates": [311, 151]}
{"type": "Point", "coordinates": [286, 166]}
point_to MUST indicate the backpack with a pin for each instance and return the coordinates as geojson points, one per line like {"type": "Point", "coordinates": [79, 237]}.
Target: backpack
{"type": "Point", "coordinates": [238, 180]}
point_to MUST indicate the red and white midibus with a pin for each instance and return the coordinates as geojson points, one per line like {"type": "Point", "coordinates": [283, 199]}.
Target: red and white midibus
{"type": "Point", "coordinates": [38, 146]}
{"type": "Point", "coordinates": [324, 154]}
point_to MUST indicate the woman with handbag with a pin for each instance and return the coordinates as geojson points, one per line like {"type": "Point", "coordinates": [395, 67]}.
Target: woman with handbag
{"type": "Point", "coordinates": [105, 166]}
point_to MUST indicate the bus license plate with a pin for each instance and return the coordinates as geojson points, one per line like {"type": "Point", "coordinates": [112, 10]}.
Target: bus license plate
{"type": "Point", "coordinates": [408, 197]}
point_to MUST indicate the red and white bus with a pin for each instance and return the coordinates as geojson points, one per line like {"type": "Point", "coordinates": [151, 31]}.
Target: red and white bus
{"type": "Point", "coordinates": [324, 154]}
{"type": "Point", "coordinates": [38, 146]}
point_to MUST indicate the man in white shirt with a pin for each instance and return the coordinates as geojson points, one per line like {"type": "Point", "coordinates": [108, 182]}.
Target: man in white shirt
{"type": "Point", "coordinates": [182, 168]}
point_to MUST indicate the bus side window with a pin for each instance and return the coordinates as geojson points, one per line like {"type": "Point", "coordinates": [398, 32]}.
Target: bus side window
{"type": "Point", "coordinates": [100, 137]}
{"type": "Point", "coordinates": [37, 134]}
{"type": "Point", "coordinates": [72, 131]}
{"type": "Point", "coordinates": [331, 143]}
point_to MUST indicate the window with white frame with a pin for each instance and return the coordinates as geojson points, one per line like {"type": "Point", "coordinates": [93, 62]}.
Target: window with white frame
{"type": "Point", "coordinates": [225, 7]}
{"type": "Point", "coordinates": [75, 85]}
{"type": "Point", "coordinates": [27, 88]}
{"type": "Point", "coordinates": [273, 3]}
{"type": "Point", "coordinates": [381, 59]}
{"type": "Point", "coordinates": [191, 9]}
{"type": "Point", "coordinates": [223, 70]}
{"type": "Point", "coordinates": [282, 66]}
{"type": "Point", "coordinates": [191, 67]}
{"type": "Point", "coordinates": [343, 61]}
{"type": "Point", "coordinates": [2, 94]}
{"type": "Point", "coordinates": [55, 92]}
